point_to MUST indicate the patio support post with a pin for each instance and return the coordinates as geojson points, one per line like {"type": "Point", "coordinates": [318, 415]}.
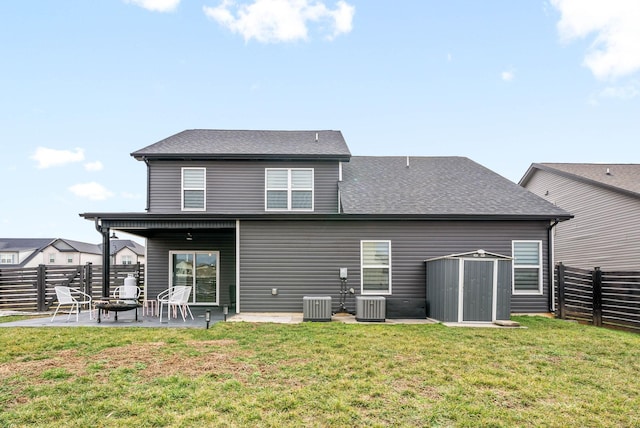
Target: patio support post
{"type": "Point", "coordinates": [106, 261]}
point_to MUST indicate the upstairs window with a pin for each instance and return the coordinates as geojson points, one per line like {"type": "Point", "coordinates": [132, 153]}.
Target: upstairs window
{"type": "Point", "coordinates": [527, 267]}
{"type": "Point", "coordinates": [7, 258]}
{"type": "Point", "coordinates": [289, 189]}
{"type": "Point", "coordinates": [193, 189]}
{"type": "Point", "coordinates": [127, 259]}
{"type": "Point", "coordinates": [52, 258]}
{"type": "Point", "coordinates": [375, 262]}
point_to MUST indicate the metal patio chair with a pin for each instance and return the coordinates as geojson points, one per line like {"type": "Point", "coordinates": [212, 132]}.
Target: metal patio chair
{"type": "Point", "coordinates": [176, 298]}
{"type": "Point", "coordinates": [74, 298]}
{"type": "Point", "coordinates": [127, 293]}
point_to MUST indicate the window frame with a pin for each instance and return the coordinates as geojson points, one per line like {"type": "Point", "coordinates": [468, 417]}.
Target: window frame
{"type": "Point", "coordinates": [126, 259]}
{"type": "Point", "coordinates": [375, 266]}
{"type": "Point", "coordinates": [183, 188]}
{"type": "Point", "coordinates": [290, 190]}
{"type": "Point", "coordinates": [538, 266]}
{"type": "Point", "coordinates": [8, 258]}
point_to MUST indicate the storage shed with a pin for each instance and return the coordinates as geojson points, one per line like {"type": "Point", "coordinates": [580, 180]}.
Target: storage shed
{"type": "Point", "coordinates": [469, 287]}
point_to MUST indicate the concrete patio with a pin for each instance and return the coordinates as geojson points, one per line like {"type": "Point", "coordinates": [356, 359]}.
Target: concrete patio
{"type": "Point", "coordinates": [127, 319]}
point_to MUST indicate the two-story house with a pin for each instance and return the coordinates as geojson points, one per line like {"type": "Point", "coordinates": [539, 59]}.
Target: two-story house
{"type": "Point", "coordinates": [605, 200]}
{"type": "Point", "coordinates": [260, 219]}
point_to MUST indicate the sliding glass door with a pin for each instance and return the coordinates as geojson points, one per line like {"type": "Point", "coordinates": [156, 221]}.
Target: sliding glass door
{"type": "Point", "coordinates": [199, 269]}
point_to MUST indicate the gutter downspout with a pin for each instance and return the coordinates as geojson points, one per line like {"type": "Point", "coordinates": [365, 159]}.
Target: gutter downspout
{"type": "Point", "coordinates": [146, 162]}
{"type": "Point", "coordinates": [550, 266]}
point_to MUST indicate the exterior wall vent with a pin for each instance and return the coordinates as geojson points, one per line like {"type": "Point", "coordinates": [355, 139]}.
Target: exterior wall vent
{"type": "Point", "coordinates": [370, 308]}
{"type": "Point", "coordinates": [316, 308]}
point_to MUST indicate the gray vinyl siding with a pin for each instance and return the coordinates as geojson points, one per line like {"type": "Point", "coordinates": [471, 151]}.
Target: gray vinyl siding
{"type": "Point", "coordinates": [236, 187]}
{"type": "Point", "coordinates": [158, 247]}
{"type": "Point", "coordinates": [605, 231]}
{"type": "Point", "coordinates": [303, 257]}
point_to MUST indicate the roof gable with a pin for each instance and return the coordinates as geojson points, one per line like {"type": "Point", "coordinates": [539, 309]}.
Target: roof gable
{"type": "Point", "coordinates": [247, 144]}
{"type": "Point", "coordinates": [439, 186]}
{"type": "Point", "coordinates": [624, 178]}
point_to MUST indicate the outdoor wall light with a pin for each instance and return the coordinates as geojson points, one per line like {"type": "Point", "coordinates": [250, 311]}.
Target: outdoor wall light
{"type": "Point", "coordinates": [274, 291]}
{"type": "Point", "coordinates": [207, 318]}
{"type": "Point", "coordinates": [113, 236]}
{"type": "Point", "coordinates": [189, 236]}
{"type": "Point", "coordinates": [225, 312]}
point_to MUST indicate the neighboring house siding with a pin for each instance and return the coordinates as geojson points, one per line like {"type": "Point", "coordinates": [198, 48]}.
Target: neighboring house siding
{"type": "Point", "coordinates": [236, 187]}
{"type": "Point", "coordinates": [605, 231]}
{"type": "Point", "coordinates": [42, 258]}
{"type": "Point", "coordinates": [303, 257]}
{"type": "Point", "coordinates": [127, 252]}
{"type": "Point", "coordinates": [158, 247]}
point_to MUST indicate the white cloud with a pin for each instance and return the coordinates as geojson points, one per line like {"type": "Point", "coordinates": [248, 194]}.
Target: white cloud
{"type": "Point", "coordinates": [156, 5]}
{"type": "Point", "coordinates": [272, 21]}
{"type": "Point", "coordinates": [629, 91]}
{"type": "Point", "coordinates": [128, 195]}
{"type": "Point", "coordinates": [93, 166]}
{"type": "Point", "coordinates": [616, 25]}
{"type": "Point", "coordinates": [51, 157]}
{"type": "Point", "coordinates": [508, 75]}
{"type": "Point", "coordinates": [92, 191]}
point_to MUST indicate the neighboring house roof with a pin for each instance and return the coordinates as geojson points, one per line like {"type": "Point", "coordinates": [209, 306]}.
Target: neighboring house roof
{"type": "Point", "coordinates": [117, 245]}
{"type": "Point", "coordinates": [623, 178]}
{"type": "Point", "coordinates": [24, 244]}
{"type": "Point", "coordinates": [436, 186]}
{"type": "Point", "coordinates": [230, 144]}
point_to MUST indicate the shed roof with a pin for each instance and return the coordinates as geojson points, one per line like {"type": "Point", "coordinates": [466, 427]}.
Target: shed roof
{"type": "Point", "coordinates": [435, 186]}
{"type": "Point", "coordinates": [619, 177]}
{"type": "Point", "coordinates": [248, 144]}
{"type": "Point", "coordinates": [480, 254]}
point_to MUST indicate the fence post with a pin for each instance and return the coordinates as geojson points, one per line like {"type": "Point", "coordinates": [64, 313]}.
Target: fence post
{"type": "Point", "coordinates": [561, 301]}
{"type": "Point", "coordinates": [41, 288]}
{"type": "Point", "coordinates": [88, 280]}
{"type": "Point", "coordinates": [597, 297]}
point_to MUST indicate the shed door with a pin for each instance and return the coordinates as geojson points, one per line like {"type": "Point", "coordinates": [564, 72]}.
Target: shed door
{"type": "Point", "coordinates": [477, 290]}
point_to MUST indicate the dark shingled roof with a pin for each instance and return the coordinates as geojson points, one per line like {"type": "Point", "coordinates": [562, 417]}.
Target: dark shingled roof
{"type": "Point", "coordinates": [230, 144]}
{"type": "Point", "coordinates": [621, 177]}
{"type": "Point", "coordinates": [438, 186]}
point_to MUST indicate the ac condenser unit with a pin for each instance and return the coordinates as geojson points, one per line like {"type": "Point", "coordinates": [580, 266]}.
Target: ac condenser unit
{"type": "Point", "coordinates": [316, 308]}
{"type": "Point", "coordinates": [370, 308]}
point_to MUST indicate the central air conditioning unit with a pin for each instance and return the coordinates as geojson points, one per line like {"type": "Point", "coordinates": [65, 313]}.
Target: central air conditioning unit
{"type": "Point", "coordinates": [316, 308]}
{"type": "Point", "coordinates": [370, 308]}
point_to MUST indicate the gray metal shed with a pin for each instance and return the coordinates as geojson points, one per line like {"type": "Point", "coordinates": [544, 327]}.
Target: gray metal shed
{"type": "Point", "coordinates": [469, 287]}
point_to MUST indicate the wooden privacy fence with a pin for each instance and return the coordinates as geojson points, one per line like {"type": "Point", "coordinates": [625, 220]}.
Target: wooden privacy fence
{"type": "Point", "coordinates": [32, 289]}
{"type": "Point", "coordinates": [601, 298]}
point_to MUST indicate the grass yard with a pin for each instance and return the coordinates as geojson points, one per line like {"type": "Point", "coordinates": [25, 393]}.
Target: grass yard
{"type": "Point", "coordinates": [553, 373]}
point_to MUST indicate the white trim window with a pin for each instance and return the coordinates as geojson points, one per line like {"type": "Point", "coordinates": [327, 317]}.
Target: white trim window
{"type": "Point", "coordinates": [375, 267]}
{"type": "Point", "coordinates": [52, 258]}
{"type": "Point", "coordinates": [288, 189]}
{"type": "Point", "coordinates": [527, 267]}
{"type": "Point", "coordinates": [194, 192]}
{"type": "Point", "coordinates": [7, 258]}
{"type": "Point", "coordinates": [127, 259]}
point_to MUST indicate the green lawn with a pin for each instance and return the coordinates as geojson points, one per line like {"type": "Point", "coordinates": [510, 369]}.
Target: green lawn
{"type": "Point", "coordinates": [553, 373]}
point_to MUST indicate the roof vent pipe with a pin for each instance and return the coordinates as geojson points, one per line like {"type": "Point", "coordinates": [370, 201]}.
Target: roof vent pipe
{"type": "Point", "coordinates": [316, 137]}
{"type": "Point", "coordinates": [407, 161]}
{"type": "Point", "coordinates": [608, 171]}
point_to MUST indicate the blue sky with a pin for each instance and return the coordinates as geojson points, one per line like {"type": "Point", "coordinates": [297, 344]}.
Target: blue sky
{"type": "Point", "coordinates": [505, 83]}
